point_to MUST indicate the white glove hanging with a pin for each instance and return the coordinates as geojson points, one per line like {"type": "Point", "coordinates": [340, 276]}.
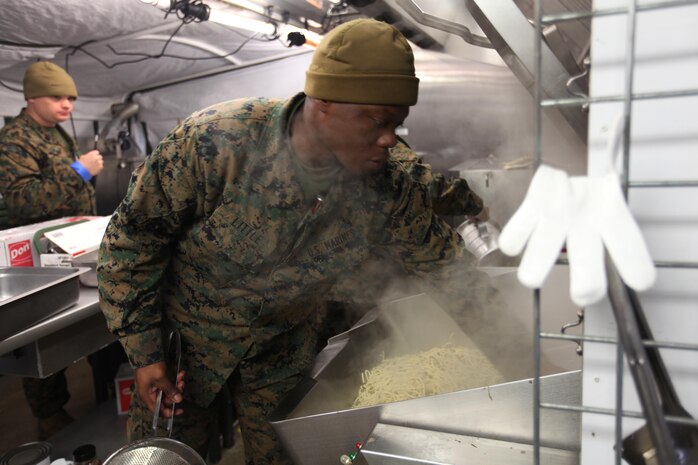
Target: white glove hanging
{"type": "Point", "coordinates": [589, 212]}
{"type": "Point", "coordinates": [601, 217]}
{"type": "Point", "coordinates": [542, 221]}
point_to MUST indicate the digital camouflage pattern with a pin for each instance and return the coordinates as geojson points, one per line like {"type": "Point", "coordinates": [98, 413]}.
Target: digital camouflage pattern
{"type": "Point", "coordinates": [451, 197]}
{"type": "Point", "coordinates": [38, 184]}
{"type": "Point", "coordinates": [215, 239]}
{"type": "Point", "coordinates": [37, 181]}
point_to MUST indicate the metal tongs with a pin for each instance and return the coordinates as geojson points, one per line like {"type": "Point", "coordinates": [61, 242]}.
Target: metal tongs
{"type": "Point", "coordinates": [173, 357]}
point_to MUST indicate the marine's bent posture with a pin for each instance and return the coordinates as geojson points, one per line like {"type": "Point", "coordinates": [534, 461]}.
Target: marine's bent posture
{"type": "Point", "coordinates": [237, 225]}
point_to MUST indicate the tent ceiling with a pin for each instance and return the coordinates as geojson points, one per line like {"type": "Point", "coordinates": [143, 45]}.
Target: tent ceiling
{"type": "Point", "coordinates": [114, 47]}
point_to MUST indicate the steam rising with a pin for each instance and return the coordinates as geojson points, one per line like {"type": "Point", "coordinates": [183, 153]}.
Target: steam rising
{"type": "Point", "coordinates": [472, 120]}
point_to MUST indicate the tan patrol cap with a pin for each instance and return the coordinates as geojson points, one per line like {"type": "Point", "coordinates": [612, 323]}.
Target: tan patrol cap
{"type": "Point", "coordinates": [363, 61]}
{"type": "Point", "coordinates": [44, 79]}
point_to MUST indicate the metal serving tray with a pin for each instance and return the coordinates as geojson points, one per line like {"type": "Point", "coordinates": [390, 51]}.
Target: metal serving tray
{"type": "Point", "coordinates": [316, 424]}
{"type": "Point", "coordinates": [400, 445]}
{"type": "Point", "coordinates": [30, 295]}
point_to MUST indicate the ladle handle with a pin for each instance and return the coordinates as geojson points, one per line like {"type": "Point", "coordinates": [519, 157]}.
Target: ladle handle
{"type": "Point", "coordinates": [670, 400]}
{"type": "Point", "coordinates": [636, 354]}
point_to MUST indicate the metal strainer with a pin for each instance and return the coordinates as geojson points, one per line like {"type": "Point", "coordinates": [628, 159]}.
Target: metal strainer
{"type": "Point", "coordinates": [159, 450]}
{"type": "Point", "coordinates": [155, 451]}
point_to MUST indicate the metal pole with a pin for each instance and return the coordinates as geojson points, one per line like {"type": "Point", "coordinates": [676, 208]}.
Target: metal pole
{"type": "Point", "coordinates": [537, 150]}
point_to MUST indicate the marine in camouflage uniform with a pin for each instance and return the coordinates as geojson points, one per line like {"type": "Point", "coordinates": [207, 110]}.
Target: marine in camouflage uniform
{"type": "Point", "coordinates": [38, 183]}
{"type": "Point", "coordinates": [219, 237]}
{"type": "Point", "coordinates": [215, 239]}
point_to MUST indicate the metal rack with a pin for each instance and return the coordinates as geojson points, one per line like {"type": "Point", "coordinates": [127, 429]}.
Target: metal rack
{"type": "Point", "coordinates": [627, 98]}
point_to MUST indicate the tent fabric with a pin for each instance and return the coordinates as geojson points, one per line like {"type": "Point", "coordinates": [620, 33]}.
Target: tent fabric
{"type": "Point", "coordinates": [113, 49]}
{"type": "Point", "coordinates": [109, 46]}
{"type": "Point", "coordinates": [162, 108]}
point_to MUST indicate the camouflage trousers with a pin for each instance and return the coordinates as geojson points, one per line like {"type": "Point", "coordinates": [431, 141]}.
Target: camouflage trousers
{"type": "Point", "coordinates": [252, 408]}
{"type": "Point", "coordinates": [47, 396]}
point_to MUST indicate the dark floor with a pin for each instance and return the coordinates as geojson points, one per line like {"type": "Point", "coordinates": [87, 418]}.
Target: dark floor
{"type": "Point", "coordinates": [96, 424]}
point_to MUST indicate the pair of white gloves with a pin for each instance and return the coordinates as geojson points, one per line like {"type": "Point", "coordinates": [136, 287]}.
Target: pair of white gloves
{"type": "Point", "coordinates": [586, 213]}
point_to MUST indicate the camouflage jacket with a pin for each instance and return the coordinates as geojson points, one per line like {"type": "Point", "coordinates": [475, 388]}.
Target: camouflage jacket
{"type": "Point", "coordinates": [37, 180]}
{"type": "Point", "coordinates": [214, 238]}
{"type": "Point", "coordinates": [448, 196]}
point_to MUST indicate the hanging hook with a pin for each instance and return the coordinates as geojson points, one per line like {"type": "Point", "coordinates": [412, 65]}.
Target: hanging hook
{"type": "Point", "coordinates": [580, 319]}
{"type": "Point", "coordinates": [586, 63]}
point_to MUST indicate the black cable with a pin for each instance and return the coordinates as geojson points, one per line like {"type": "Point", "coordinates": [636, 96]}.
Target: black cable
{"type": "Point", "coordinates": [162, 54]}
{"type": "Point", "coordinates": [175, 6]}
{"type": "Point", "coordinates": [187, 11]}
{"type": "Point", "coordinates": [216, 57]}
{"type": "Point", "coordinates": [16, 44]}
{"type": "Point", "coordinates": [21, 91]}
{"type": "Point", "coordinates": [113, 65]}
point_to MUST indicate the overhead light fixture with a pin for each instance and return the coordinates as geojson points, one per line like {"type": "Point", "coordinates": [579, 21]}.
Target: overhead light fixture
{"type": "Point", "coordinates": [247, 4]}
{"type": "Point", "coordinates": [197, 11]}
{"type": "Point", "coordinates": [280, 27]}
{"type": "Point", "coordinates": [188, 11]}
{"type": "Point", "coordinates": [228, 18]}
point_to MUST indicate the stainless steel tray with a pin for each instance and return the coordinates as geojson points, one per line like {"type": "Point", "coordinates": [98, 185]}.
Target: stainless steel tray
{"type": "Point", "coordinates": [401, 445]}
{"type": "Point", "coordinates": [30, 295]}
{"type": "Point", "coordinates": [316, 424]}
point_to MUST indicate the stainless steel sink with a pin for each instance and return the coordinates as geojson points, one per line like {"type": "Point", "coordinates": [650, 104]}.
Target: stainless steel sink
{"type": "Point", "coordinates": [29, 295]}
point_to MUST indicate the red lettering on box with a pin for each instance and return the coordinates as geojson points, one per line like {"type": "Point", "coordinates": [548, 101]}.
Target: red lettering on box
{"type": "Point", "coordinates": [21, 254]}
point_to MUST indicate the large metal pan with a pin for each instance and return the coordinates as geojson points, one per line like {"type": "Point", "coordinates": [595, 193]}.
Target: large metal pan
{"type": "Point", "coordinates": [30, 295]}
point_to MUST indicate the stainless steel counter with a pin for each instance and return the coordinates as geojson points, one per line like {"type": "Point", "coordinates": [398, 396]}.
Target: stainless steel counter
{"type": "Point", "coordinates": [58, 341]}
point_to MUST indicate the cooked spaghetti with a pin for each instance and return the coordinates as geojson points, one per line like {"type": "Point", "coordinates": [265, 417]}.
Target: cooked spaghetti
{"type": "Point", "coordinates": [435, 371]}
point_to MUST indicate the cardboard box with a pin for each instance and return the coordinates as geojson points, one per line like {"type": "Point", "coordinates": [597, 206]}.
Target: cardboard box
{"type": "Point", "coordinates": [17, 245]}
{"type": "Point", "coordinates": [123, 387]}
{"type": "Point", "coordinates": [79, 239]}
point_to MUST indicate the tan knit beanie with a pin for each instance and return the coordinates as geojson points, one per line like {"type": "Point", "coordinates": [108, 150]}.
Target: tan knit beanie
{"type": "Point", "coordinates": [44, 79]}
{"type": "Point", "coordinates": [363, 61]}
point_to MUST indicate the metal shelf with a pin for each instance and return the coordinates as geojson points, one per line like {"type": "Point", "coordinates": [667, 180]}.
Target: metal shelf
{"type": "Point", "coordinates": [652, 411]}
{"type": "Point", "coordinates": [581, 101]}
{"type": "Point", "coordinates": [610, 340]}
{"type": "Point", "coordinates": [572, 16]}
